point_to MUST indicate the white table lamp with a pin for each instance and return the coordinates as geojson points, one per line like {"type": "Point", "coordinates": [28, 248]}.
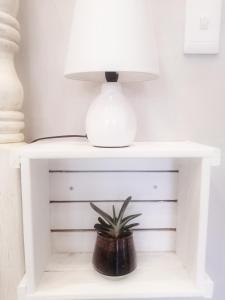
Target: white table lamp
{"type": "Point", "coordinates": [111, 42]}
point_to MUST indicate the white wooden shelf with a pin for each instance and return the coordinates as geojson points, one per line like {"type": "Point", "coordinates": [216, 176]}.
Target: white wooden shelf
{"type": "Point", "coordinates": [159, 275]}
{"type": "Point", "coordinates": [169, 183]}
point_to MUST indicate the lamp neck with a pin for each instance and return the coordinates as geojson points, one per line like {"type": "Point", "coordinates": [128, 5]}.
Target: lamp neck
{"type": "Point", "coordinates": [111, 86]}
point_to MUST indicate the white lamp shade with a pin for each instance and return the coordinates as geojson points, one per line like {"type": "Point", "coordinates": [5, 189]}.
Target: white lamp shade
{"type": "Point", "coordinates": [112, 36]}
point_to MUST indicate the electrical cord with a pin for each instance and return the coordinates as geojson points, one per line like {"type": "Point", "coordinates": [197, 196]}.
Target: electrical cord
{"type": "Point", "coordinates": [58, 137]}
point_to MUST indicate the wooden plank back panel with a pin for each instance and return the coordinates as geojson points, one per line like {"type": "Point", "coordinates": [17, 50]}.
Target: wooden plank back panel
{"type": "Point", "coordinates": [152, 183]}
{"type": "Point", "coordinates": [80, 215]}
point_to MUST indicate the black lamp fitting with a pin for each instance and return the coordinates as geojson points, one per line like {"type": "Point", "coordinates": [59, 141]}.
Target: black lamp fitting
{"type": "Point", "coordinates": [111, 76]}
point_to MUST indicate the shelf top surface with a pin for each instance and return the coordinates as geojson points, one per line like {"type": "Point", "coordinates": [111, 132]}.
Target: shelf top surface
{"type": "Point", "coordinates": [158, 275]}
{"type": "Point", "coordinates": [74, 149]}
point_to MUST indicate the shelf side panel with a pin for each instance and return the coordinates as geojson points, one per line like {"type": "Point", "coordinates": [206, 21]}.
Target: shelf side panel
{"type": "Point", "coordinates": [35, 194]}
{"type": "Point", "coordinates": [193, 194]}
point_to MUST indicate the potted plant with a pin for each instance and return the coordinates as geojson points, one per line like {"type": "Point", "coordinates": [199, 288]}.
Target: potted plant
{"type": "Point", "coordinates": [114, 253]}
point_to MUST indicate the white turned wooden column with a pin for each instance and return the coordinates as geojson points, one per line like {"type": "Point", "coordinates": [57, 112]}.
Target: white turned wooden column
{"type": "Point", "coordinates": [11, 91]}
{"type": "Point", "coordinates": [11, 124]}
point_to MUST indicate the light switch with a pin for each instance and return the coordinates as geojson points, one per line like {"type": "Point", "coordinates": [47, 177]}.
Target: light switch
{"type": "Point", "coordinates": [202, 26]}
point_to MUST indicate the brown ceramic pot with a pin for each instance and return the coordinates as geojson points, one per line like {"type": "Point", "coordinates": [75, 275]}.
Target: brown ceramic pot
{"type": "Point", "coordinates": [114, 257]}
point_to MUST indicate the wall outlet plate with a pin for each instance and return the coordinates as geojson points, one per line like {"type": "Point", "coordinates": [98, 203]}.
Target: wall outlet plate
{"type": "Point", "coordinates": [202, 26]}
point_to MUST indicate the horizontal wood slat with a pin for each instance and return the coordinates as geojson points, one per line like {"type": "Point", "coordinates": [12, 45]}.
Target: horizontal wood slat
{"type": "Point", "coordinates": [85, 241]}
{"type": "Point", "coordinates": [113, 186]}
{"type": "Point", "coordinates": [111, 201]}
{"type": "Point", "coordinates": [81, 215]}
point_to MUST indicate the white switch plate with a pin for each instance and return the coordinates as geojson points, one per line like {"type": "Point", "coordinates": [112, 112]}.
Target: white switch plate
{"type": "Point", "coordinates": [202, 27]}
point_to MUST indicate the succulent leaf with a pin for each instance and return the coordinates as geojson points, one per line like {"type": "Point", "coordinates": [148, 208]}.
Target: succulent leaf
{"type": "Point", "coordinates": [101, 228]}
{"type": "Point", "coordinates": [129, 218]}
{"type": "Point", "coordinates": [131, 226]}
{"type": "Point", "coordinates": [101, 221]}
{"type": "Point", "coordinates": [114, 214]}
{"type": "Point", "coordinates": [123, 208]}
{"type": "Point", "coordinates": [107, 217]}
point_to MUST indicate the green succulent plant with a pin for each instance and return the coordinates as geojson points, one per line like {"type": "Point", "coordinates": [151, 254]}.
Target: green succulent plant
{"type": "Point", "coordinates": [115, 226]}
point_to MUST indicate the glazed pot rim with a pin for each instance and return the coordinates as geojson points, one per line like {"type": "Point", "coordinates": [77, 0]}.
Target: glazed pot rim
{"type": "Point", "coordinates": [129, 235]}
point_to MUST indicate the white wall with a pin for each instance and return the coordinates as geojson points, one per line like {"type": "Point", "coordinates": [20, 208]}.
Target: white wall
{"type": "Point", "coordinates": [187, 102]}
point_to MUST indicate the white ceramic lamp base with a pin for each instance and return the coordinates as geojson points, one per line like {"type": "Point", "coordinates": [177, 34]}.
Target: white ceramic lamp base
{"type": "Point", "coordinates": [111, 121]}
